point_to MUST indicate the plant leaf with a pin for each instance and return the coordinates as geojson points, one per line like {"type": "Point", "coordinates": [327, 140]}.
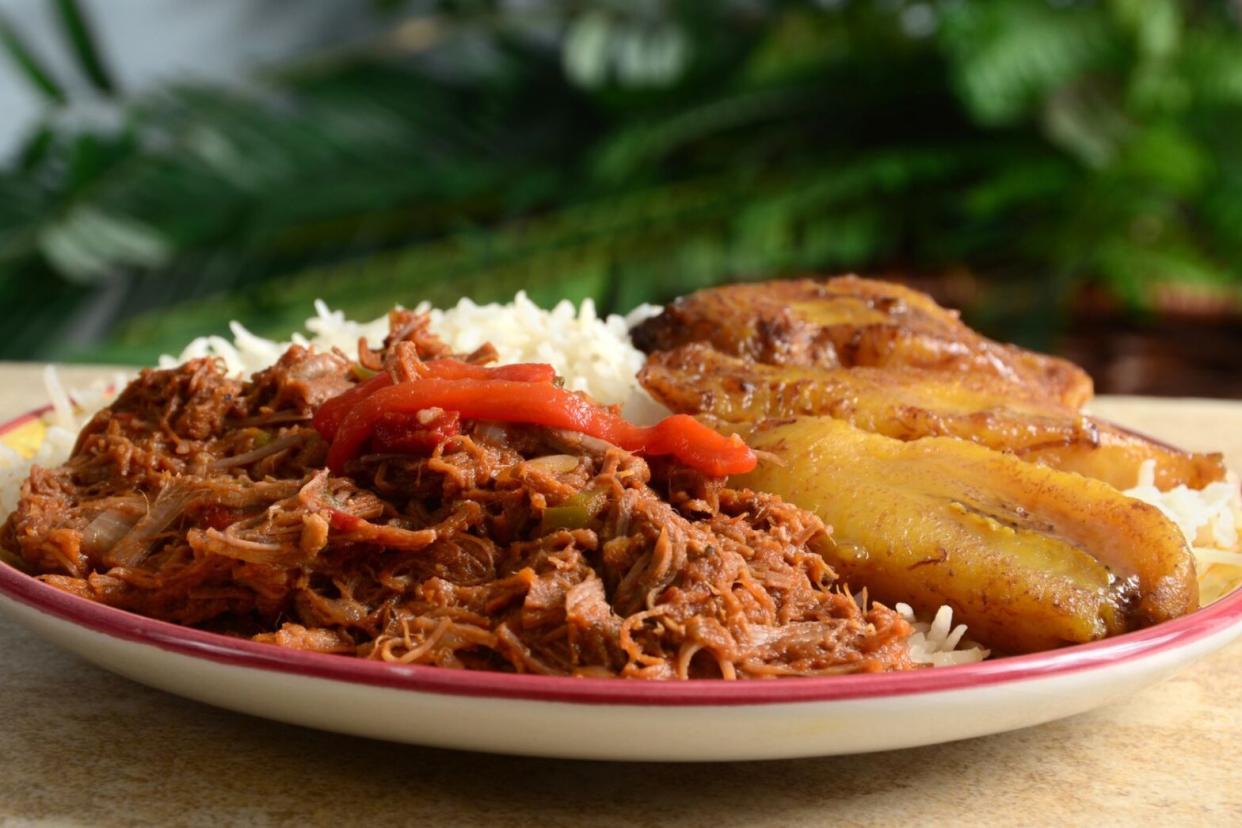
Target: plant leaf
{"type": "Point", "coordinates": [30, 66]}
{"type": "Point", "coordinates": [82, 41]}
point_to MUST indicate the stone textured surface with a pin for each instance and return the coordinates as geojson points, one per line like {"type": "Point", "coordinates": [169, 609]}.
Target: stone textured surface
{"type": "Point", "coordinates": [84, 747]}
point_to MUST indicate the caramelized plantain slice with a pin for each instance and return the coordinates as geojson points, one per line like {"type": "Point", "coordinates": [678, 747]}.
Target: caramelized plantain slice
{"type": "Point", "coordinates": [909, 404]}
{"type": "Point", "coordinates": [1029, 557]}
{"type": "Point", "coordinates": [849, 321]}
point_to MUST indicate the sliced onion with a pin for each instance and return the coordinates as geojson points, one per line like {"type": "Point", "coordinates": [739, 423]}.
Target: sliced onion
{"type": "Point", "coordinates": [555, 463]}
{"type": "Point", "coordinates": [106, 531]}
{"type": "Point", "coordinates": [168, 506]}
{"type": "Point", "coordinates": [277, 445]}
{"type": "Point", "coordinates": [240, 493]}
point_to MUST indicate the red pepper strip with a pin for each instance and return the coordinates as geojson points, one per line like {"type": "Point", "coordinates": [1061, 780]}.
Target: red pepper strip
{"type": "Point", "coordinates": [330, 414]}
{"type": "Point", "coordinates": [398, 433]}
{"type": "Point", "coordinates": [344, 521]}
{"type": "Point", "coordinates": [691, 442]}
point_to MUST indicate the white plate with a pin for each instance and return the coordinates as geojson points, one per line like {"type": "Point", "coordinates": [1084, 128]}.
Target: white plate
{"type": "Point", "coordinates": [702, 720]}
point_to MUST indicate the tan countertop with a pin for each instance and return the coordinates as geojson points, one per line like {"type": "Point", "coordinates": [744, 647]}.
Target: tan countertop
{"type": "Point", "coordinates": [84, 747]}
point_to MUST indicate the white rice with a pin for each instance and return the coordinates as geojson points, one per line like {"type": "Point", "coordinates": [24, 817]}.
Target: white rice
{"type": "Point", "coordinates": [596, 356]}
{"type": "Point", "coordinates": [938, 642]}
{"type": "Point", "coordinates": [1211, 520]}
{"type": "Point", "coordinates": [593, 353]}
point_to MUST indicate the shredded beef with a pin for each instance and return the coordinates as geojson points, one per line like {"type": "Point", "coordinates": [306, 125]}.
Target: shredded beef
{"type": "Point", "coordinates": [204, 500]}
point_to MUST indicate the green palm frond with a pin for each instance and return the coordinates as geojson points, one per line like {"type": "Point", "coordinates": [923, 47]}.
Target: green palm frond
{"type": "Point", "coordinates": [649, 245]}
{"type": "Point", "coordinates": [28, 64]}
{"type": "Point", "coordinates": [82, 41]}
{"type": "Point", "coordinates": [1009, 56]}
{"type": "Point", "coordinates": [1043, 145]}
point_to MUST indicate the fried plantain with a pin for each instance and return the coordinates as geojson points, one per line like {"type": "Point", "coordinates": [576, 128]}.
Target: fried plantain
{"type": "Point", "coordinates": [909, 404]}
{"type": "Point", "coordinates": [1028, 557]}
{"type": "Point", "coordinates": [847, 322]}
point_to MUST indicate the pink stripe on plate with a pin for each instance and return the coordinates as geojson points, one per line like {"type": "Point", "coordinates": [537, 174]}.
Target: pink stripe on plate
{"type": "Point", "coordinates": [223, 649]}
{"type": "Point", "coordinates": [19, 421]}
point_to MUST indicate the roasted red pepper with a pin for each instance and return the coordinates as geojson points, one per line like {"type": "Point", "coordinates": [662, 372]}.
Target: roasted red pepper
{"type": "Point", "coordinates": [344, 521]}
{"type": "Point", "coordinates": [505, 400]}
{"type": "Point", "coordinates": [221, 517]}
{"type": "Point", "coordinates": [399, 432]}
{"type": "Point", "coordinates": [330, 414]}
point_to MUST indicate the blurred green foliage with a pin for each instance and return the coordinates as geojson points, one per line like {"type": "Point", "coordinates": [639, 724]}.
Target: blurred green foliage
{"type": "Point", "coordinates": [633, 151]}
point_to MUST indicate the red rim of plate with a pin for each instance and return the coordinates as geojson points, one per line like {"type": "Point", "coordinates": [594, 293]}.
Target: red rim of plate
{"type": "Point", "coordinates": [223, 649]}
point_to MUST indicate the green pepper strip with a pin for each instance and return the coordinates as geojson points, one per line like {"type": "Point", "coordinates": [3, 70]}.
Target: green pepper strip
{"type": "Point", "coordinates": [575, 513]}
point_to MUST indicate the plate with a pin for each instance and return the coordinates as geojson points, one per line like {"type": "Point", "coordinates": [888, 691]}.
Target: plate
{"type": "Point", "coordinates": [615, 719]}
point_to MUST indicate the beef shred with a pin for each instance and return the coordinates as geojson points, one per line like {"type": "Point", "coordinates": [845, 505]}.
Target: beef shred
{"type": "Point", "coordinates": [203, 500]}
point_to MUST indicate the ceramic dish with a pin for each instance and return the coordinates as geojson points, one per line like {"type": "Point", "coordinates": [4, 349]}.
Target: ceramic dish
{"type": "Point", "coordinates": [701, 720]}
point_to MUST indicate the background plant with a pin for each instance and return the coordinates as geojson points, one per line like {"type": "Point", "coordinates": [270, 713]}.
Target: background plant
{"type": "Point", "coordinates": [632, 151]}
